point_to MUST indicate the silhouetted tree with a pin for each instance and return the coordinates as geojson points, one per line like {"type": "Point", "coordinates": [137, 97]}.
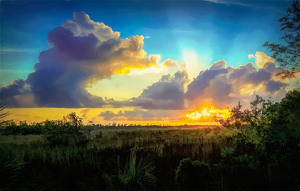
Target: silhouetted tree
{"type": "Point", "coordinates": [73, 120]}
{"type": "Point", "coordinates": [69, 131]}
{"type": "Point", "coordinates": [288, 54]}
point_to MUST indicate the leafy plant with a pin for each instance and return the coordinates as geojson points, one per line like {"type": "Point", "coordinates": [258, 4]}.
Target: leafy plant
{"type": "Point", "coordinates": [137, 176]}
{"type": "Point", "coordinates": [10, 172]}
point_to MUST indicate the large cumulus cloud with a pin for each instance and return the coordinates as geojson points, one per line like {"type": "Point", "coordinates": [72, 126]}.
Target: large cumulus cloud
{"type": "Point", "coordinates": [81, 52]}
{"type": "Point", "coordinates": [224, 86]}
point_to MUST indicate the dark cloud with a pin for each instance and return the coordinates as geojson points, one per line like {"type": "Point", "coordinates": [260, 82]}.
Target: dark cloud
{"type": "Point", "coordinates": [16, 88]}
{"type": "Point", "coordinates": [9, 94]}
{"type": "Point", "coordinates": [273, 86]}
{"type": "Point", "coordinates": [70, 47]}
{"type": "Point", "coordinates": [166, 94]}
{"type": "Point", "coordinates": [141, 115]}
{"type": "Point", "coordinates": [259, 76]}
{"type": "Point", "coordinates": [81, 52]}
{"type": "Point", "coordinates": [108, 115]}
{"type": "Point", "coordinates": [196, 87]}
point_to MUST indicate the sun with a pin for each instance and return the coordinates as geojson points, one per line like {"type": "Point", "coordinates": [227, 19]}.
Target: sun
{"type": "Point", "coordinates": [208, 113]}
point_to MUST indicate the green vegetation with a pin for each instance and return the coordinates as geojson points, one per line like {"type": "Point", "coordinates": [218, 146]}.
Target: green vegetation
{"type": "Point", "coordinates": [193, 174]}
{"type": "Point", "coordinates": [257, 148]}
{"type": "Point", "coordinates": [135, 176]}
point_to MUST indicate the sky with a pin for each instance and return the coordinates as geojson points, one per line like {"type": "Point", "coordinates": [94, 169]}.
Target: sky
{"type": "Point", "coordinates": [156, 62]}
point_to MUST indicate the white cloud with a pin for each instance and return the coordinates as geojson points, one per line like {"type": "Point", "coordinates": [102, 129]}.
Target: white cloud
{"type": "Point", "coordinates": [261, 59]}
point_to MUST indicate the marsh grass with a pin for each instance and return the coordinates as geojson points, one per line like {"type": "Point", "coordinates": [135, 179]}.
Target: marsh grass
{"type": "Point", "coordinates": [256, 149]}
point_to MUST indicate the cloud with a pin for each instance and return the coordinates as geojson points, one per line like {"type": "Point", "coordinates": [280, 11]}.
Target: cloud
{"type": "Point", "coordinates": [17, 50]}
{"type": "Point", "coordinates": [261, 59]}
{"type": "Point", "coordinates": [16, 87]}
{"type": "Point", "coordinates": [223, 2]}
{"type": "Point", "coordinates": [17, 94]}
{"type": "Point", "coordinates": [159, 68]}
{"type": "Point", "coordinates": [141, 115]}
{"type": "Point", "coordinates": [81, 53]}
{"type": "Point", "coordinates": [166, 94]}
{"type": "Point", "coordinates": [224, 86]}
{"type": "Point", "coordinates": [199, 84]}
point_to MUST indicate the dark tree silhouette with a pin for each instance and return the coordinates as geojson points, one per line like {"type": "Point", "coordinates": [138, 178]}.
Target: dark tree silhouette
{"type": "Point", "coordinates": [288, 53]}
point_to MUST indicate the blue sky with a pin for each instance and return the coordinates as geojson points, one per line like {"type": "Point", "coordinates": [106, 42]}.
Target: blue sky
{"type": "Point", "coordinates": [212, 29]}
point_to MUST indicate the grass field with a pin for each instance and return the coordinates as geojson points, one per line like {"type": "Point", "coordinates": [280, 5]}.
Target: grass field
{"type": "Point", "coordinates": [257, 149]}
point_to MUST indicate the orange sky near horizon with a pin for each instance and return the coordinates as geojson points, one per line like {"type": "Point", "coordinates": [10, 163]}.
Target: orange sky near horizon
{"type": "Point", "coordinates": [91, 115]}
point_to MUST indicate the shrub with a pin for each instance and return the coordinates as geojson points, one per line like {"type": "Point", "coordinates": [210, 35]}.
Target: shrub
{"type": "Point", "coordinates": [66, 132]}
{"type": "Point", "coordinates": [193, 175]}
{"type": "Point", "coordinates": [137, 176]}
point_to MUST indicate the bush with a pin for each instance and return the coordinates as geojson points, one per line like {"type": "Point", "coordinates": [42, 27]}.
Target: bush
{"type": "Point", "coordinates": [66, 132]}
{"type": "Point", "coordinates": [267, 142]}
{"type": "Point", "coordinates": [193, 175]}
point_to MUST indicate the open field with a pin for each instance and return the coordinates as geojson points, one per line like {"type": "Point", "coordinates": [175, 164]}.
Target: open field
{"type": "Point", "coordinates": [109, 150]}
{"type": "Point", "coordinates": [99, 164]}
{"type": "Point", "coordinates": [257, 149]}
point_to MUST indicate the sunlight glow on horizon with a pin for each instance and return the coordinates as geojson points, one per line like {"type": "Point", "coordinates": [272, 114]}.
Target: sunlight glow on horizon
{"type": "Point", "coordinates": [88, 115]}
{"type": "Point", "coordinates": [208, 113]}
